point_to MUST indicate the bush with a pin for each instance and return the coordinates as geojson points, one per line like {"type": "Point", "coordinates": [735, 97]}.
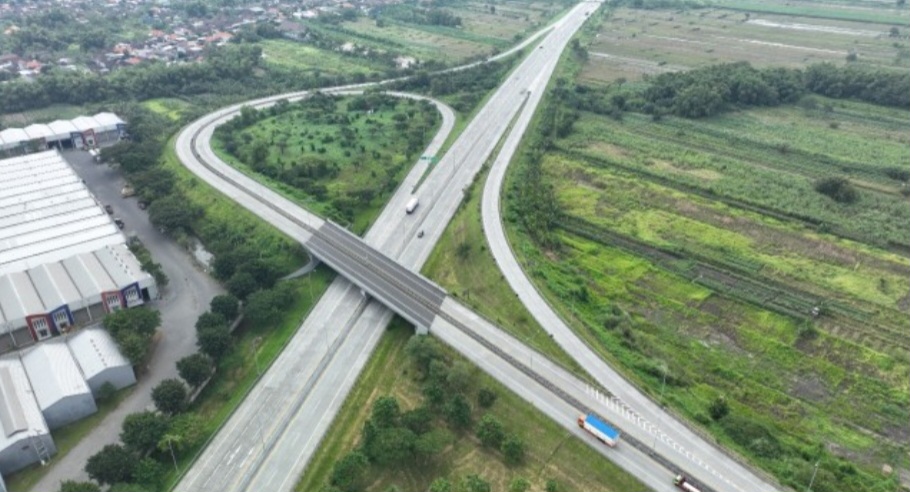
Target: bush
{"type": "Point", "coordinates": [519, 484]}
{"type": "Point", "coordinates": [513, 450]}
{"type": "Point", "coordinates": [490, 431]}
{"type": "Point", "coordinates": [719, 408]}
{"type": "Point", "coordinates": [837, 188]}
{"type": "Point", "coordinates": [486, 397]}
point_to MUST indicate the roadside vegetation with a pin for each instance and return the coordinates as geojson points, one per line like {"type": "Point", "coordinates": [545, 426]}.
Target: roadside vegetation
{"type": "Point", "coordinates": [753, 254]}
{"type": "Point", "coordinates": [422, 418]}
{"type": "Point", "coordinates": [340, 157]}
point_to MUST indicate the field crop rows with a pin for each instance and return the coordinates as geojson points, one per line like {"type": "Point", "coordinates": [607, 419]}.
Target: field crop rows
{"type": "Point", "coordinates": [636, 42]}
{"type": "Point", "coordinates": [759, 170]}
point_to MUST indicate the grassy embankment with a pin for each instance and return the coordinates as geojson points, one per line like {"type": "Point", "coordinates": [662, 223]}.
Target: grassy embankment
{"type": "Point", "coordinates": [552, 453]}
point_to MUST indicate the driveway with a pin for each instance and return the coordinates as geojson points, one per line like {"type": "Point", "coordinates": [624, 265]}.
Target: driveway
{"type": "Point", "coordinates": [186, 296]}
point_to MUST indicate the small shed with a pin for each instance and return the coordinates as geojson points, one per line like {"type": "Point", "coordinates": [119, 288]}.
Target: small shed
{"type": "Point", "coordinates": [60, 389]}
{"type": "Point", "coordinates": [24, 435]}
{"type": "Point", "coordinates": [100, 359]}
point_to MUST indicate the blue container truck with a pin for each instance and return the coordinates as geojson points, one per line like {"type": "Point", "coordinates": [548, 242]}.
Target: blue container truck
{"type": "Point", "coordinates": [599, 429]}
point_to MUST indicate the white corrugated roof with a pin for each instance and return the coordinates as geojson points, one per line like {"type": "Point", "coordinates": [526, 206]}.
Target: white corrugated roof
{"type": "Point", "coordinates": [47, 214]}
{"type": "Point", "coordinates": [20, 415]}
{"type": "Point", "coordinates": [95, 351]}
{"type": "Point", "coordinates": [13, 136]}
{"type": "Point", "coordinates": [37, 131]}
{"type": "Point", "coordinates": [85, 123]}
{"type": "Point", "coordinates": [108, 121]}
{"type": "Point", "coordinates": [53, 372]}
{"type": "Point", "coordinates": [62, 129]}
{"type": "Point", "coordinates": [54, 286]}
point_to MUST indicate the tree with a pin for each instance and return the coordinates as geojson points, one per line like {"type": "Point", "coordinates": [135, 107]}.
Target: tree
{"type": "Point", "coordinates": [214, 342]}
{"type": "Point", "coordinates": [186, 432]}
{"type": "Point", "coordinates": [170, 396]}
{"type": "Point", "coordinates": [209, 319]}
{"type": "Point", "coordinates": [149, 473]}
{"type": "Point", "coordinates": [349, 471]}
{"type": "Point", "coordinates": [262, 308]}
{"type": "Point", "coordinates": [195, 369]}
{"type": "Point", "coordinates": [513, 450]}
{"type": "Point", "coordinates": [440, 485]}
{"type": "Point", "coordinates": [74, 486]}
{"type": "Point", "coordinates": [385, 412]}
{"type": "Point", "coordinates": [139, 320]}
{"type": "Point", "coordinates": [430, 444]}
{"type": "Point", "coordinates": [519, 484]}
{"type": "Point", "coordinates": [241, 284]}
{"type": "Point", "coordinates": [719, 408]}
{"type": "Point", "coordinates": [173, 214]}
{"type": "Point", "coordinates": [423, 350]}
{"type": "Point", "coordinates": [133, 346]}
{"type": "Point", "coordinates": [113, 464]}
{"type": "Point", "coordinates": [459, 377]}
{"type": "Point", "coordinates": [419, 420]}
{"type": "Point", "coordinates": [142, 431]}
{"type": "Point", "coordinates": [476, 483]}
{"type": "Point", "coordinates": [392, 446]}
{"type": "Point", "coordinates": [458, 412]}
{"type": "Point", "coordinates": [490, 431]}
{"type": "Point", "coordinates": [486, 397]}
{"type": "Point", "coordinates": [226, 305]}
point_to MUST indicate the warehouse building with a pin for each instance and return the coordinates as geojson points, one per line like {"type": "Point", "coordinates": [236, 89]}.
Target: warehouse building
{"type": "Point", "coordinates": [100, 360]}
{"type": "Point", "coordinates": [62, 394]}
{"type": "Point", "coordinates": [81, 132]}
{"type": "Point", "coordinates": [25, 438]}
{"type": "Point", "coordinates": [63, 262]}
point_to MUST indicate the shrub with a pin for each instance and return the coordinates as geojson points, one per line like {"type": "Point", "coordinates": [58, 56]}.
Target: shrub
{"type": "Point", "coordinates": [719, 408]}
{"type": "Point", "coordinates": [837, 188]}
{"type": "Point", "coordinates": [486, 397]}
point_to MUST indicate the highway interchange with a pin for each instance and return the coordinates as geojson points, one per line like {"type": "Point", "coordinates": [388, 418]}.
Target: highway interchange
{"type": "Point", "coordinates": [267, 442]}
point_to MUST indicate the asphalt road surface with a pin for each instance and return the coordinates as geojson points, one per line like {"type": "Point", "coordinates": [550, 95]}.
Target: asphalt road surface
{"type": "Point", "coordinates": [186, 297]}
{"type": "Point", "coordinates": [238, 461]}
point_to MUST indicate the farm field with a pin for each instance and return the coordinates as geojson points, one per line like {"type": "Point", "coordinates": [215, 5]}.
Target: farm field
{"type": "Point", "coordinates": [339, 157]}
{"type": "Point", "coordinates": [552, 455]}
{"type": "Point", "coordinates": [303, 57]}
{"type": "Point", "coordinates": [485, 27]}
{"type": "Point", "coordinates": [632, 42]}
{"type": "Point", "coordinates": [701, 248]}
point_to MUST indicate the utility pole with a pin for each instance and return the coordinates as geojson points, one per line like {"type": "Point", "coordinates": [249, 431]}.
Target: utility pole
{"type": "Point", "coordinates": [812, 480]}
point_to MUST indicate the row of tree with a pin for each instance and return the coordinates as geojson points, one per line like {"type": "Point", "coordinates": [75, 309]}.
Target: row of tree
{"type": "Point", "coordinates": [711, 90]}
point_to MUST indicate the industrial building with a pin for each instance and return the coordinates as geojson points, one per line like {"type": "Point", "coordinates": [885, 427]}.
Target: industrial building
{"type": "Point", "coordinates": [62, 394]}
{"type": "Point", "coordinates": [25, 438]}
{"type": "Point", "coordinates": [78, 133]}
{"type": "Point", "coordinates": [63, 261]}
{"type": "Point", "coordinates": [100, 360]}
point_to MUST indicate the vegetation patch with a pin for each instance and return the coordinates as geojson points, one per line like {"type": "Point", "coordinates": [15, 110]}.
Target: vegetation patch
{"type": "Point", "coordinates": [341, 157]}
{"type": "Point", "coordinates": [422, 418]}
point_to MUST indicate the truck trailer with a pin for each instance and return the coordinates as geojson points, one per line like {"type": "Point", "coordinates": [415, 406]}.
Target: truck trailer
{"type": "Point", "coordinates": [412, 205]}
{"type": "Point", "coordinates": [599, 429]}
{"type": "Point", "coordinates": [682, 482]}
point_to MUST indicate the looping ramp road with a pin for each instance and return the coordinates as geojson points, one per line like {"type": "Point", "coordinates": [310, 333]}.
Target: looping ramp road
{"type": "Point", "coordinates": [267, 442]}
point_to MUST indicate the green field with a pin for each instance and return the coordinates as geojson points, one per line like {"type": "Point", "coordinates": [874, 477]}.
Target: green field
{"type": "Point", "coordinates": [308, 58]}
{"type": "Point", "coordinates": [702, 246]}
{"type": "Point", "coordinates": [485, 27]}
{"type": "Point", "coordinates": [633, 43]}
{"type": "Point", "coordinates": [552, 453]}
{"type": "Point", "coordinates": [341, 158]}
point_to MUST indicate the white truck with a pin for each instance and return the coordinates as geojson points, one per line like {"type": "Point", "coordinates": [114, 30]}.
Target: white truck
{"type": "Point", "coordinates": [682, 482]}
{"type": "Point", "coordinates": [412, 205]}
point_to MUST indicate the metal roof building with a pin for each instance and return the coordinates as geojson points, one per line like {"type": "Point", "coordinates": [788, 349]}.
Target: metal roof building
{"type": "Point", "coordinates": [100, 359]}
{"type": "Point", "coordinates": [62, 393]}
{"type": "Point", "coordinates": [76, 133]}
{"type": "Point", "coordinates": [63, 262]}
{"type": "Point", "coordinates": [25, 438]}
